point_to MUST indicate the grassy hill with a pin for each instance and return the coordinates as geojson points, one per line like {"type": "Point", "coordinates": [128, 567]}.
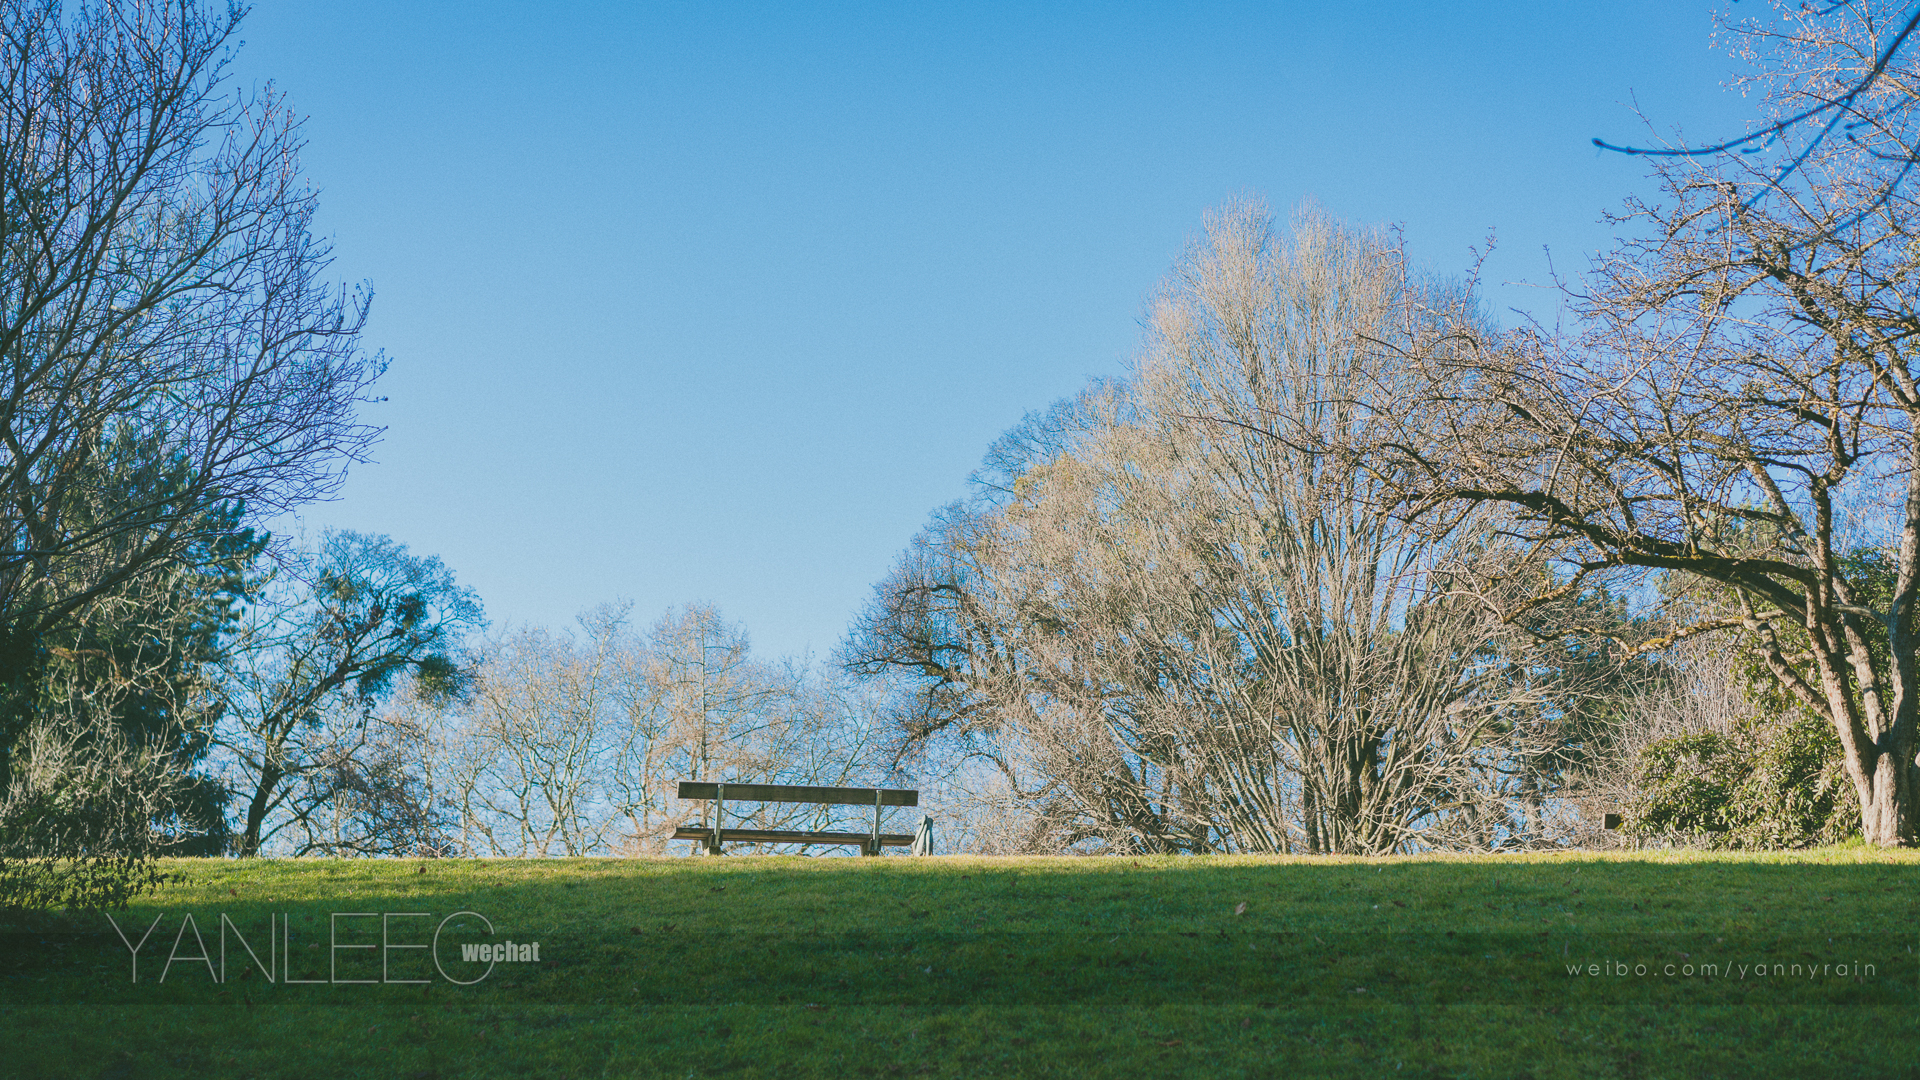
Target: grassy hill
{"type": "Point", "coordinates": [1654, 965]}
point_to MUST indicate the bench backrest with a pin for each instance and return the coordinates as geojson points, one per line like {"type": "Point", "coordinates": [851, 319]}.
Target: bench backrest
{"type": "Point", "coordinates": [833, 796]}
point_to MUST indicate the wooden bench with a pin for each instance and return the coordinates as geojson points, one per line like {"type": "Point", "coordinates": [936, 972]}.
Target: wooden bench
{"type": "Point", "coordinates": [869, 843]}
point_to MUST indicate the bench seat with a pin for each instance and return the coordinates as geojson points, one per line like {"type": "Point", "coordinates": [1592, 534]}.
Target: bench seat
{"type": "Point", "coordinates": [785, 836]}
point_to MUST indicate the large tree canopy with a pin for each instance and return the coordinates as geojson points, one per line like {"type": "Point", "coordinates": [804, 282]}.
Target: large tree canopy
{"type": "Point", "coordinates": [1175, 632]}
{"type": "Point", "coordinates": [1734, 402]}
{"type": "Point", "coordinates": [158, 284]}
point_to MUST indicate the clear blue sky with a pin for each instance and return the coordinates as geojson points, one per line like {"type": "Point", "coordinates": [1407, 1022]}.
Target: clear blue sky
{"type": "Point", "coordinates": [717, 301]}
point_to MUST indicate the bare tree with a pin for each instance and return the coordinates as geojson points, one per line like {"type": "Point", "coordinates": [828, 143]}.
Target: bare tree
{"type": "Point", "coordinates": [734, 718]}
{"type": "Point", "coordinates": [710, 692]}
{"type": "Point", "coordinates": [77, 821]}
{"type": "Point", "coordinates": [1854, 63]}
{"type": "Point", "coordinates": [158, 283]}
{"type": "Point", "coordinates": [376, 795]}
{"type": "Point", "coordinates": [536, 743]}
{"type": "Point", "coordinates": [574, 743]}
{"type": "Point", "coordinates": [1187, 634]}
{"type": "Point", "coordinates": [1735, 404]}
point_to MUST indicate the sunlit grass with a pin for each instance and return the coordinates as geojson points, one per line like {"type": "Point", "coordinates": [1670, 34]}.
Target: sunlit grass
{"type": "Point", "coordinates": [997, 967]}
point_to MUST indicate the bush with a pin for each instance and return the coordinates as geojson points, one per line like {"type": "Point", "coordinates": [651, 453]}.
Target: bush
{"type": "Point", "coordinates": [77, 823]}
{"type": "Point", "coordinates": [1769, 783]}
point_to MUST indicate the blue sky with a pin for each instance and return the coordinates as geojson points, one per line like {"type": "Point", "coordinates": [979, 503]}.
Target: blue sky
{"type": "Point", "coordinates": [716, 302]}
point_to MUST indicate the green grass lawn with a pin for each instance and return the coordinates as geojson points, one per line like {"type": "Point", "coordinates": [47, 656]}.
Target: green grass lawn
{"type": "Point", "coordinates": [1547, 966]}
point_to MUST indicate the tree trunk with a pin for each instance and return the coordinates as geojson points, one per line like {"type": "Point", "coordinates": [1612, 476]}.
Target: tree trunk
{"type": "Point", "coordinates": [1887, 800]}
{"type": "Point", "coordinates": [249, 846]}
{"type": "Point", "coordinates": [1876, 745]}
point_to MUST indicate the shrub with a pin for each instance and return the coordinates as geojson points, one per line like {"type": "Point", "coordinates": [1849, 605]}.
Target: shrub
{"type": "Point", "coordinates": [1769, 783]}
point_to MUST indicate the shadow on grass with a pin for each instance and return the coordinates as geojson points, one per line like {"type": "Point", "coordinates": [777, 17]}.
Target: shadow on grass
{"type": "Point", "coordinates": [1068, 931]}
